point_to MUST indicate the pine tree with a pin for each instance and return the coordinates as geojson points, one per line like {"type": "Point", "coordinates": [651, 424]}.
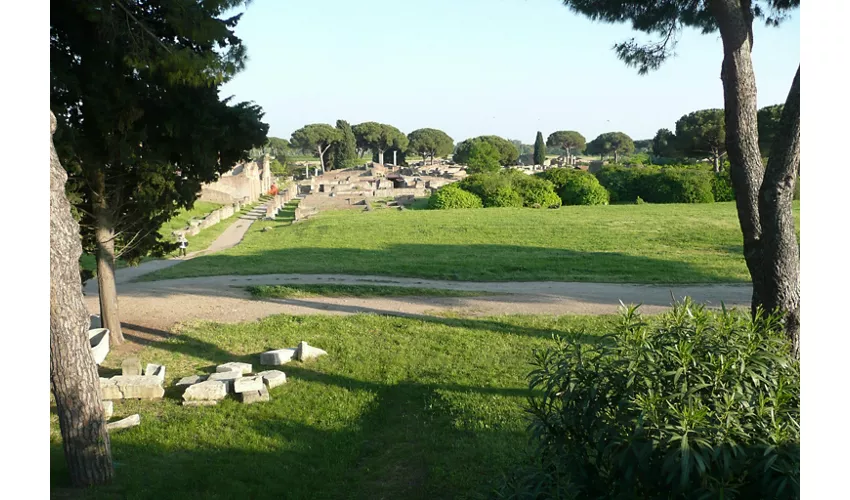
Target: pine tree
{"type": "Point", "coordinates": [539, 150]}
{"type": "Point", "coordinates": [345, 151]}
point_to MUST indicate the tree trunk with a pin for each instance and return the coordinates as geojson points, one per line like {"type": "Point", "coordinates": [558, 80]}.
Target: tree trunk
{"type": "Point", "coordinates": [321, 158]}
{"type": "Point", "coordinates": [616, 157]}
{"type": "Point", "coordinates": [105, 256]}
{"type": "Point", "coordinates": [780, 250]}
{"type": "Point", "coordinates": [716, 163]}
{"type": "Point", "coordinates": [73, 373]}
{"type": "Point", "coordinates": [739, 95]}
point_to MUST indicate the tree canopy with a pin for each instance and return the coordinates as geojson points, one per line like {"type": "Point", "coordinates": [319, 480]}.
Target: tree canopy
{"type": "Point", "coordinates": [539, 149]}
{"type": "Point", "coordinates": [430, 142]}
{"type": "Point", "coordinates": [508, 153]}
{"type": "Point", "coordinates": [566, 139]}
{"type": "Point", "coordinates": [379, 137]}
{"type": "Point", "coordinates": [611, 143]}
{"type": "Point", "coordinates": [318, 137]}
{"type": "Point", "coordinates": [134, 87]}
{"type": "Point", "coordinates": [483, 157]}
{"type": "Point", "coordinates": [345, 149]}
{"type": "Point", "coordinates": [703, 133]}
{"type": "Point", "coordinates": [664, 144]}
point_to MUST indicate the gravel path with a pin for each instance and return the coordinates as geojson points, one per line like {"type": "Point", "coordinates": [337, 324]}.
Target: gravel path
{"type": "Point", "coordinates": [153, 308]}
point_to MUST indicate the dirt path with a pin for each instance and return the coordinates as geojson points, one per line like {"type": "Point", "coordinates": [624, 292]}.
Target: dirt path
{"type": "Point", "coordinates": [157, 306]}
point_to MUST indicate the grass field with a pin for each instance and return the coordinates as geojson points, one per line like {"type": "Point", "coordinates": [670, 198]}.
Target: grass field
{"type": "Point", "coordinates": [309, 291]}
{"type": "Point", "coordinates": [689, 243]}
{"type": "Point", "coordinates": [399, 408]}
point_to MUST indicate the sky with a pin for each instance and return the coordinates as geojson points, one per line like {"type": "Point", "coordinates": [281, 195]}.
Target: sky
{"type": "Point", "coordinates": [480, 67]}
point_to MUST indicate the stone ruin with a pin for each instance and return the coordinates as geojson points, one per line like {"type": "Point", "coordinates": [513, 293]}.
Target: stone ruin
{"type": "Point", "coordinates": [244, 183]}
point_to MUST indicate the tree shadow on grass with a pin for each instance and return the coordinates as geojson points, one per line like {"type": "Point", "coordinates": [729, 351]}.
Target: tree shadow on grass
{"type": "Point", "coordinates": [454, 262]}
{"type": "Point", "coordinates": [406, 442]}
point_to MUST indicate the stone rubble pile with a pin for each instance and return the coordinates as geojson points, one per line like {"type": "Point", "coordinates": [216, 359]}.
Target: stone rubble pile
{"type": "Point", "coordinates": [230, 378]}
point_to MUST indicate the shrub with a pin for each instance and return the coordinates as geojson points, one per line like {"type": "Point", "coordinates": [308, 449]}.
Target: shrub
{"type": "Point", "coordinates": [697, 404]}
{"type": "Point", "coordinates": [639, 201]}
{"type": "Point", "coordinates": [504, 196]}
{"type": "Point", "coordinates": [510, 188]}
{"type": "Point", "coordinates": [722, 185]}
{"type": "Point", "coordinates": [535, 192]}
{"type": "Point", "coordinates": [452, 196]}
{"type": "Point", "coordinates": [674, 184]}
{"type": "Point", "coordinates": [583, 189]}
{"type": "Point", "coordinates": [557, 176]}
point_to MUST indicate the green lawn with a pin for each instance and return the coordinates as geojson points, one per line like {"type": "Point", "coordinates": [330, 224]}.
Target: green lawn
{"type": "Point", "coordinates": [681, 243]}
{"type": "Point", "coordinates": [399, 408]}
{"type": "Point", "coordinates": [308, 291]}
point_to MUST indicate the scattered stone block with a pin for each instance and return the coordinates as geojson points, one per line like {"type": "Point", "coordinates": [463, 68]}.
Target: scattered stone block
{"type": "Point", "coordinates": [243, 368]}
{"type": "Point", "coordinates": [131, 366]}
{"type": "Point", "coordinates": [247, 384]}
{"type": "Point", "coordinates": [203, 402]}
{"type": "Point", "coordinates": [131, 421]}
{"type": "Point", "coordinates": [305, 352]}
{"type": "Point", "coordinates": [250, 397]}
{"type": "Point", "coordinates": [107, 409]}
{"type": "Point", "coordinates": [277, 357]}
{"type": "Point", "coordinates": [273, 378]}
{"type": "Point", "coordinates": [132, 387]}
{"type": "Point", "coordinates": [211, 390]}
{"type": "Point", "coordinates": [226, 377]}
{"type": "Point", "coordinates": [191, 380]}
{"type": "Point", "coordinates": [99, 341]}
{"type": "Point", "coordinates": [155, 371]}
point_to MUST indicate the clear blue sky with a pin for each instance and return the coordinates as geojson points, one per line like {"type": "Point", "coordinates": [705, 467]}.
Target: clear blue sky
{"type": "Point", "coordinates": [476, 67]}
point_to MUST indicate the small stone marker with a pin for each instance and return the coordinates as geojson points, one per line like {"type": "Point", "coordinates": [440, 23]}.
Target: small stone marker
{"type": "Point", "coordinates": [131, 421]}
{"type": "Point", "coordinates": [247, 384]}
{"type": "Point", "coordinates": [277, 357]}
{"type": "Point", "coordinates": [107, 409]}
{"type": "Point", "coordinates": [255, 396]}
{"type": "Point", "coordinates": [191, 380]}
{"type": "Point", "coordinates": [131, 366]}
{"type": "Point", "coordinates": [211, 390]}
{"type": "Point", "coordinates": [273, 378]}
{"type": "Point", "coordinates": [305, 352]}
{"type": "Point", "coordinates": [155, 371]}
{"type": "Point", "coordinates": [242, 368]}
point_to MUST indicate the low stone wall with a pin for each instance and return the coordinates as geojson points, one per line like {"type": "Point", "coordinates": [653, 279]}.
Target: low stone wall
{"type": "Point", "coordinates": [211, 219]}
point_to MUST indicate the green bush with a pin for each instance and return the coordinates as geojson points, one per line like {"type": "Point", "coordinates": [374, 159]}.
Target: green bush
{"type": "Point", "coordinates": [510, 188]}
{"type": "Point", "coordinates": [722, 185]}
{"type": "Point", "coordinates": [672, 184]}
{"type": "Point", "coordinates": [557, 176]}
{"type": "Point", "coordinates": [535, 192]}
{"type": "Point", "coordinates": [583, 189]}
{"type": "Point", "coordinates": [452, 196]}
{"type": "Point", "coordinates": [639, 201]}
{"type": "Point", "coordinates": [696, 404]}
{"type": "Point", "coordinates": [504, 196]}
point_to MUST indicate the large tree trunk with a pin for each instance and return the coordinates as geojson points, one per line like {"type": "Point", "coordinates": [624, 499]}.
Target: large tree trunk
{"type": "Point", "coordinates": [739, 94]}
{"type": "Point", "coordinates": [764, 199]}
{"type": "Point", "coordinates": [780, 250]}
{"type": "Point", "coordinates": [105, 256]}
{"type": "Point", "coordinates": [73, 373]}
